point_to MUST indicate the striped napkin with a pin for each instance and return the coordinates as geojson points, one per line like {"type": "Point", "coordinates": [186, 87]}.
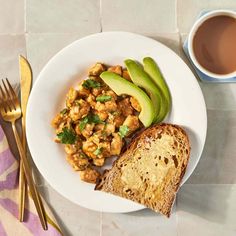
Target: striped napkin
{"type": "Point", "coordinates": [9, 223]}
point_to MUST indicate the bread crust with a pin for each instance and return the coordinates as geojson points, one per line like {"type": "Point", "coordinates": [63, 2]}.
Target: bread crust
{"type": "Point", "coordinates": [111, 180]}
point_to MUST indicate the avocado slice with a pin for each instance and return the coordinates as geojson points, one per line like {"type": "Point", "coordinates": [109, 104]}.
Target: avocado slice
{"type": "Point", "coordinates": [151, 68]}
{"type": "Point", "coordinates": [122, 86]}
{"type": "Point", "coordinates": [142, 79]}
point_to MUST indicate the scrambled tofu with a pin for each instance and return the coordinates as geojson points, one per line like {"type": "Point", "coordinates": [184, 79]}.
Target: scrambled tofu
{"type": "Point", "coordinates": [95, 122]}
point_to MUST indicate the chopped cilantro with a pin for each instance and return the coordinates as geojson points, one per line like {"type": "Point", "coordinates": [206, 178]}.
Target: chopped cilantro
{"type": "Point", "coordinates": [123, 130]}
{"type": "Point", "coordinates": [98, 151]}
{"type": "Point", "coordinates": [93, 118]}
{"type": "Point", "coordinates": [67, 136]}
{"type": "Point", "coordinates": [89, 119]}
{"type": "Point", "coordinates": [103, 98]}
{"type": "Point", "coordinates": [89, 83]}
{"type": "Point", "coordinates": [63, 112]}
{"type": "Point", "coordinates": [83, 123]}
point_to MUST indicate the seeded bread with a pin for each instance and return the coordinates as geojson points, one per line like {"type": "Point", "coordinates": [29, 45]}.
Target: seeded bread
{"type": "Point", "coordinates": [150, 170]}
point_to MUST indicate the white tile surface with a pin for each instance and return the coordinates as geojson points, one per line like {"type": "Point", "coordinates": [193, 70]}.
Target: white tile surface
{"type": "Point", "coordinates": [140, 223]}
{"type": "Point", "coordinates": [217, 164]}
{"type": "Point", "coordinates": [74, 220]}
{"type": "Point", "coordinates": [171, 40]}
{"type": "Point", "coordinates": [41, 47]}
{"type": "Point", "coordinates": [207, 210]}
{"type": "Point", "coordinates": [11, 46]}
{"type": "Point", "coordinates": [187, 11]}
{"type": "Point", "coordinates": [12, 17]}
{"type": "Point", "coordinates": [144, 17]}
{"type": "Point", "coordinates": [69, 16]}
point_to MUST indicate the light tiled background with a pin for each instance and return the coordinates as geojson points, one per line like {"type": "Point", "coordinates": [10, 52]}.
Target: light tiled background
{"type": "Point", "coordinates": [206, 204]}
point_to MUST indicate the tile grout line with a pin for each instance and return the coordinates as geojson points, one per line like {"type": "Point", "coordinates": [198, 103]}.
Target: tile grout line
{"type": "Point", "coordinates": [25, 28]}
{"type": "Point", "coordinates": [100, 15]}
{"type": "Point", "coordinates": [176, 17]}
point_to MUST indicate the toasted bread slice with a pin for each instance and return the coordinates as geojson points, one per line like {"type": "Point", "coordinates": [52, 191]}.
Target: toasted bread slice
{"type": "Point", "coordinates": [150, 170]}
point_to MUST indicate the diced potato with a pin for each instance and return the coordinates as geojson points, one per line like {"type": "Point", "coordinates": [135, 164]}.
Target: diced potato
{"type": "Point", "coordinates": [118, 120]}
{"type": "Point", "coordinates": [109, 129]}
{"type": "Point", "coordinates": [135, 104]}
{"type": "Point", "coordinates": [89, 175]}
{"type": "Point", "coordinates": [106, 106]}
{"type": "Point", "coordinates": [79, 111]}
{"type": "Point", "coordinates": [132, 122]}
{"type": "Point", "coordinates": [71, 97]}
{"type": "Point", "coordinates": [125, 107]}
{"type": "Point", "coordinates": [70, 149]}
{"type": "Point", "coordinates": [100, 106]}
{"type": "Point", "coordinates": [99, 127]}
{"type": "Point", "coordinates": [97, 91]}
{"type": "Point", "coordinates": [88, 130]}
{"type": "Point", "coordinates": [89, 148]}
{"type": "Point", "coordinates": [91, 100]}
{"type": "Point", "coordinates": [102, 115]}
{"type": "Point", "coordinates": [116, 69]}
{"type": "Point", "coordinates": [99, 161]}
{"type": "Point", "coordinates": [106, 148]}
{"type": "Point", "coordinates": [97, 69]}
{"type": "Point", "coordinates": [57, 121]}
{"type": "Point", "coordinates": [77, 162]}
{"type": "Point", "coordinates": [126, 75]}
{"type": "Point", "coordinates": [75, 113]}
{"type": "Point", "coordinates": [112, 94]}
{"type": "Point", "coordinates": [83, 92]}
{"type": "Point", "coordinates": [110, 106]}
{"type": "Point", "coordinates": [116, 144]}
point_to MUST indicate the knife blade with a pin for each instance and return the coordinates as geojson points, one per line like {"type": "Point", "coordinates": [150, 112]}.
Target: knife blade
{"type": "Point", "coordinates": [25, 84]}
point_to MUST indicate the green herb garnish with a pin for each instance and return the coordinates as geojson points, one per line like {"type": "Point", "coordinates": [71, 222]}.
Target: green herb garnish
{"type": "Point", "coordinates": [98, 151]}
{"type": "Point", "coordinates": [93, 118]}
{"type": "Point", "coordinates": [89, 119]}
{"type": "Point", "coordinates": [123, 130]}
{"type": "Point", "coordinates": [103, 98]}
{"type": "Point", "coordinates": [63, 112]}
{"type": "Point", "coordinates": [89, 83]}
{"type": "Point", "coordinates": [83, 123]}
{"type": "Point", "coordinates": [67, 136]}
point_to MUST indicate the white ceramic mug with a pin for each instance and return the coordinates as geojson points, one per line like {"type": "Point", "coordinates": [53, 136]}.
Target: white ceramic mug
{"type": "Point", "coordinates": [194, 29]}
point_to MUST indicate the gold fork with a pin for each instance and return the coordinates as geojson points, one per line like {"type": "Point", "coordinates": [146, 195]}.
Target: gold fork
{"type": "Point", "coordinates": [11, 111]}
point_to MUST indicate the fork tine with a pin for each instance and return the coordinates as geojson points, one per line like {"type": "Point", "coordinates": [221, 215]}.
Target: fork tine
{"type": "Point", "coordinates": [8, 98]}
{"type": "Point", "coordinates": [11, 89]}
{"type": "Point", "coordinates": [7, 91]}
{"type": "Point", "coordinates": [2, 93]}
{"type": "Point", "coordinates": [3, 98]}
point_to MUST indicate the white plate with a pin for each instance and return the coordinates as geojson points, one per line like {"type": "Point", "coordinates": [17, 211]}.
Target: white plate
{"type": "Point", "coordinates": [66, 69]}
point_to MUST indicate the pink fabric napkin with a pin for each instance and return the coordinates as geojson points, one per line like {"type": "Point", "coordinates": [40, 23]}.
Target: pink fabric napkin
{"type": "Point", "coordinates": [9, 223]}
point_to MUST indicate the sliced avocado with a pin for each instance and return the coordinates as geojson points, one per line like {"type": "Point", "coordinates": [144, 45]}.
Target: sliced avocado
{"type": "Point", "coordinates": [154, 72]}
{"type": "Point", "coordinates": [122, 86]}
{"type": "Point", "coordinates": [142, 79]}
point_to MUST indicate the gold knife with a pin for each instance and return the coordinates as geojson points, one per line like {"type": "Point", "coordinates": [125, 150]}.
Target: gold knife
{"type": "Point", "coordinates": [25, 83]}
